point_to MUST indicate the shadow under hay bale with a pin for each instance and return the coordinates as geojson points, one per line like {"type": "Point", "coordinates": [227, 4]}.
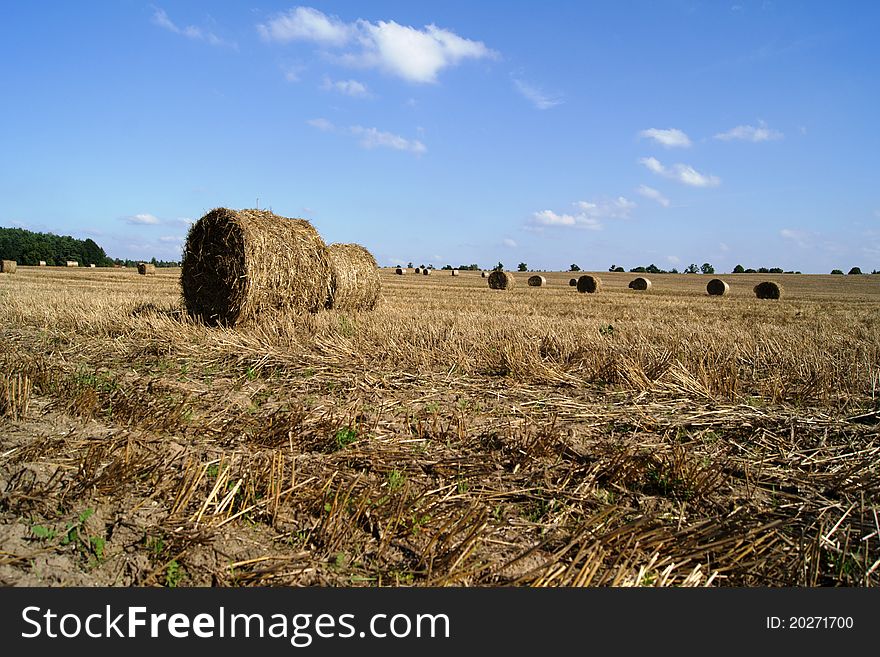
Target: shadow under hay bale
{"type": "Point", "coordinates": [589, 284]}
{"type": "Point", "coordinates": [501, 280]}
{"type": "Point", "coordinates": [354, 280]}
{"type": "Point", "coordinates": [537, 281]}
{"type": "Point", "coordinates": [573, 282]}
{"type": "Point", "coordinates": [717, 288]}
{"type": "Point", "coordinates": [238, 264]}
{"type": "Point", "coordinates": [8, 266]}
{"type": "Point", "coordinates": [768, 290]}
{"type": "Point", "coordinates": [640, 283]}
{"type": "Point", "coordinates": [146, 269]}
{"type": "Point", "coordinates": [400, 271]}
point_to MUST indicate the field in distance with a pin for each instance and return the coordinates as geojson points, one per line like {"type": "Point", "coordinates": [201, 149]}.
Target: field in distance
{"type": "Point", "coordinates": [455, 435]}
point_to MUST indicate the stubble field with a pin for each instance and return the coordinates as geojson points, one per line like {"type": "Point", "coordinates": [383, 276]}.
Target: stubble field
{"type": "Point", "coordinates": [454, 436]}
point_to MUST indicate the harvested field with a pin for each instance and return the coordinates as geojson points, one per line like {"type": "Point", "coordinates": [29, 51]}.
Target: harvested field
{"type": "Point", "coordinates": [453, 436]}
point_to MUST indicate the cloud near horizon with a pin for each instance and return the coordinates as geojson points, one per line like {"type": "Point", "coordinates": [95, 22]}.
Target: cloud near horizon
{"type": "Point", "coordinates": [415, 55]}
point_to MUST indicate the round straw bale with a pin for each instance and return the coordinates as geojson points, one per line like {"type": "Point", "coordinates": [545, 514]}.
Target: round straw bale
{"type": "Point", "coordinates": [717, 288]}
{"type": "Point", "coordinates": [240, 263]}
{"type": "Point", "coordinates": [483, 274]}
{"type": "Point", "coordinates": [354, 280]}
{"type": "Point", "coordinates": [426, 272]}
{"type": "Point", "coordinates": [455, 272]}
{"type": "Point", "coordinates": [400, 271]}
{"type": "Point", "coordinates": [146, 268]}
{"type": "Point", "coordinates": [573, 282]}
{"type": "Point", "coordinates": [640, 283]}
{"type": "Point", "coordinates": [417, 270]}
{"type": "Point", "coordinates": [501, 280]}
{"type": "Point", "coordinates": [8, 266]}
{"type": "Point", "coordinates": [537, 281]}
{"type": "Point", "coordinates": [768, 290]}
{"type": "Point", "coordinates": [590, 284]}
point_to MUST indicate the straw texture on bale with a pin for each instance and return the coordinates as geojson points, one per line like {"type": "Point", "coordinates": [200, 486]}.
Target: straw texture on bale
{"type": "Point", "coordinates": [400, 271]}
{"type": "Point", "coordinates": [8, 266]}
{"type": "Point", "coordinates": [768, 290]}
{"type": "Point", "coordinates": [717, 288]}
{"type": "Point", "coordinates": [573, 282]}
{"type": "Point", "coordinates": [72, 263]}
{"type": "Point", "coordinates": [483, 274]}
{"type": "Point", "coordinates": [146, 269]}
{"type": "Point", "coordinates": [417, 270]}
{"type": "Point", "coordinates": [426, 272]}
{"type": "Point", "coordinates": [354, 278]}
{"type": "Point", "coordinates": [238, 264]}
{"type": "Point", "coordinates": [640, 283]}
{"type": "Point", "coordinates": [589, 284]}
{"type": "Point", "coordinates": [537, 281]}
{"type": "Point", "coordinates": [455, 272]}
{"type": "Point", "coordinates": [42, 263]}
{"type": "Point", "coordinates": [501, 280]}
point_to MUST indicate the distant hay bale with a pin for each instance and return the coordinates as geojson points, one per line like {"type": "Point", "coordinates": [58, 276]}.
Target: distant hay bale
{"type": "Point", "coordinates": [537, 281]}
{"type": "Point", "coordinates": [483, 274]}
{"type": "Point", "coordinates": [354, 280]}
{"type": "Point", "coordinates": [768, 290]}
{"type": "Point", "coordinates": [417, 270]}
{"type": "Point", "coordinates": [455, 272]}
{"type": "Point", "coordinates": [640, 283]}
{"type": "Point", "coordinates": [92, 266]}
{"type": "Point", "coordinates": [573, 282]}
{"type": "Point", "coordinates": [426, 271]}
{"type": "Point", "coordinates": [501, 280]}
{"type": "Point", "coordinates": [42, 263]}
{"type": "Point", "coordinates": [238, 264]}
{"type": "Point", "coordinates": [717, 288]}
{"type": "Point", "coordinates": [71, 263]}
{"type": "Point", "coordinates": [8, 266]}
{"type": "Point", "coordinates": [146, 269]}
{"type": "Point", "coordinates": [400, 271]}
{"type": "Point", "coordinates": [589, 284]}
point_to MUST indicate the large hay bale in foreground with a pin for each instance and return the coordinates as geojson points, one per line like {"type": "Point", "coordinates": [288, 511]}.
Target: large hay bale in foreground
{"type": "Point", "coordinates": [537, 281]}
{"type": "Point", "coordinates": [640, 283]}
{"type": "Point", "coordinates": [573, 282]}
{"type": "Point", "coordinates": [146, 269]}
{"type": "Point", "coordinates": [501, 280]}
{"type": "Point", "coordinates": [717, 288]}
{"type": "Point", "coordinates": [400, 271]}
{"type": "Point", "coordinates": [354, 279]}
{"type": "Point", "coordinates": [8, 266]}
{"type": "Point", "coordinates": [768, 290]}
{"type": "Point", "coordinates": [238, 264]}
{"type": "Point", "coordinates": [589, 284]}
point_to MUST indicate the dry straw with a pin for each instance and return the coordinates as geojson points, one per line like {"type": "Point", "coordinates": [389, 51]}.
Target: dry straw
{"type": "Point", "coordinates": [483, 274]}
{"type": "Point", "coordinates": [400, 271]}
{"type": "Point", "coordinates": [768, 290]}
{"type": "Point", "coordinates": [8, 266]}
{"type": "Point", "coordinates": [426, 272]}
{"type": "Point", "coordinates": [537, 281]}
{"type": "Point", "coordinates": [354, 281]}
{"type": "Point", "coordinates": [238, 264]}
{"type": "Point", "coordinates": [42, 263]}
{"type": "Point", "coordinates": [72, 263]}
{"type": "Point", "coordinates": [589, 284]}
{"type": "Point", "coordinates": [640, 283]}
{"type": "Point", "coordinates": [573, 282]}
{"type": "Point", "coordinates": [417, 270]}
{"type": "Point", "coordinates": [717, 288]}
{"type": "Point", "coordinates": [501, 280]}
{"type": "Point", "coordinates": [455, 272]}
{"type": "Point", "coordinates": [146, 268]}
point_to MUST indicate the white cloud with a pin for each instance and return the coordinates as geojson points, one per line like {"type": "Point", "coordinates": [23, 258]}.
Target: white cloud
{"type": "Point", "coordinates": [373, 138]}
{"type": "Point", "coordinates": [170, 239]}
{"type": "Point", "coordinates": [683, 173]}
{"type": "Point", "coordinates": [750, 133]}
{"type": "Point", "coordinates": [653, 194]}
{"type": "Point", "coordinates": [416, 55]}
{"type": "Point", "coordinates": [291, 72]}
{"type": "Point", "coordinates": [509, 242]}
{"type": "Point", "coordinates": [307, 24]}
{"type": "Point", "coordinates": [670, 138]}
{"type": "Point", "coordinates": [673, 260]}
{"type": "Point", "coordinates": [589, 216]}
{"type": "Point", "coordinates": [723, 247]}
{"type": "Point", "coordinates": [347, 87]}
{"type": "Point", "coordinates": [161, 19]}
{"type": "Point", "coordinates": [321, 124]}
{"type": "Point", "coordinates": [619, 208]}
{"type": "Point", "coordinates": [143, 219]}
{"type": "Point", "coordinates": [550, 218]}
{"type": "Point", "coordinates": [801, 238]}
{"type": "Point", "coordinates": [536, 96]}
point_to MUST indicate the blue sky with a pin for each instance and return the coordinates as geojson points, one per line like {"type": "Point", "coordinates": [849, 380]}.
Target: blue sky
{"type": "Point", "coordinates": [548, 133]}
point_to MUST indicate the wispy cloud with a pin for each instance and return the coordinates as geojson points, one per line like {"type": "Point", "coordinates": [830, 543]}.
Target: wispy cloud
{"type": "Point", "coordinates": [683, 173]}
{"type": "Point", "coordinates": [347, 87]}
{"type": "Point", "coordinates": [670, 138]}
{"type": "Point", "coordinates": [370, 138]}
{"type": "Point", "coordinates": [509, 243]}
{"type": "Point", "coordinates": [161, 19]}
{"type": "Point", "coordinates": [536, 96]}
{"type": "Point", "coordinates": [589, 214]}
{"type": "Point", "coordinates": [143, 219]}
{"type": "Point", "coordinates": [800, 238]}
{"type": "Point", "coordinates": [750, 133]}
{"type": "Point", "coordinates": [653, 194]}
{"type": "Point", "coordinates": [415, 55]}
